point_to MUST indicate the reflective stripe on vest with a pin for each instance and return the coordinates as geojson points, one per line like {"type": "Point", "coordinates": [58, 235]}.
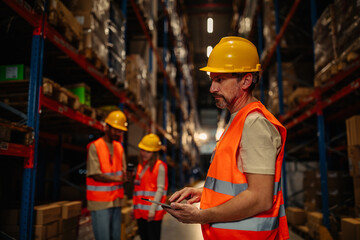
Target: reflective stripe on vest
{"type": "Point", "coordinates": [103, 188]}
{"type": "Point", "coordinates": [118, 173]}
{"type": "Point", "coordinates": [253, 224]}
{"type": "Point", "coordinates": [224, 181]}
{"type": "Point", "coordinates": [147, 193]}
{"type": "Point", "coordinates": [232, 189]}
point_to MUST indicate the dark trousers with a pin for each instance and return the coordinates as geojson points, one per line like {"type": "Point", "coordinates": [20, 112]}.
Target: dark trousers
{"type": "Point", "coordinates": [149, 230]}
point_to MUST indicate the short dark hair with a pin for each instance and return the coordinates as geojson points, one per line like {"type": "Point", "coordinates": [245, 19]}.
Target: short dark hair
{"type": "Point", "coordinates": [256, 77]}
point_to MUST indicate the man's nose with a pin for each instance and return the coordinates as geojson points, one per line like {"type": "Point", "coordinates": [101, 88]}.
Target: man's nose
{"type": "Point", "coordinates": [213, 87]}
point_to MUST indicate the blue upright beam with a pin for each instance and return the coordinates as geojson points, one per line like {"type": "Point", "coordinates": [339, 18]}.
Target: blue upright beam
{"type": "Point", "coordinates": [323, 168]}
{"type": "Point", "coordinates": [29, 175]}
{"type": "Point", "coordinates": [281, 98]}
{"type": "Point", "coordinates": [321, 142]}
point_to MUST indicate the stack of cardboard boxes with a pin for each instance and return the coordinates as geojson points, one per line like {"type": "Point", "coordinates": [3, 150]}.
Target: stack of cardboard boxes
{"type": "Point", "coordinates": [57, 220]}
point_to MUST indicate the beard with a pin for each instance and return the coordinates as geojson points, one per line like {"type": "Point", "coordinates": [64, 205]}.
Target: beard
{"type": "Point", "coordinates": [221, 103]}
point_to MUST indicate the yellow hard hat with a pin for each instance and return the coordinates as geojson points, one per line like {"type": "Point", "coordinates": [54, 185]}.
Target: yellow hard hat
{"type": "Point", "coordinates": [150, 142]}
{"type": "Point", "coordinates": [232, 55]}
{"type": "Point", "coordinates": [117, 119]}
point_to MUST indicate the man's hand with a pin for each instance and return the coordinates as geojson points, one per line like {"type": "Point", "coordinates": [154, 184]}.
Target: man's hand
{"type": "Point", "coordinates": [185, 213]}
{"type": "Point", "coordinates": [192, 195]}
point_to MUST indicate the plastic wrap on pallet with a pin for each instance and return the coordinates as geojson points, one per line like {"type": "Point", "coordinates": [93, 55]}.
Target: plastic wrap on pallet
{"type": "Point", "coordinates": [323, 40]}
{"type": "Point", "coordinates": [245, 21]}
{"type": "Point", "coordinates": [116, 17]}
{"type": "Point", "coordinates": [93, 42]}
{"type": "Point", "coordinates": [137, 78]}
{"type": "Point", "coordinates": [347, 23]}
{"type": "Point", "coordinates": [116, 42]}
{"type": "Point", "coordinates": [146, 7]}
{"type": "Point", "coordinates": [116, 65]}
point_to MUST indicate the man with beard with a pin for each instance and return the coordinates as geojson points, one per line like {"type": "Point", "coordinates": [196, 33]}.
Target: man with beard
{"type": "Point", "coordinates": [242, 196]}
{"type": "Point", "coordinates": [106, 166]}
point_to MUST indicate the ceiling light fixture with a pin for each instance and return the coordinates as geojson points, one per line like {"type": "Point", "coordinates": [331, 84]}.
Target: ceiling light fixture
{"type": "Point", "coordinates": [210, 25]}
{"type": "Point", "coordinates": [208, 50]}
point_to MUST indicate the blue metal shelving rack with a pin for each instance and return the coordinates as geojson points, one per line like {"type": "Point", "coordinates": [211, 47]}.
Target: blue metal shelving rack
{"type": "Point", "coordinates": [30, 153]}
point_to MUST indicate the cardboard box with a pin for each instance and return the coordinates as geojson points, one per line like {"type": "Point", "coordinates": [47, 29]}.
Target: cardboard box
{"type": "Point", "coordinates": [82, 91]}
{"type": "Point", "coordinates": [46, 231]}
{"type": "Point", "coordinates": [354, 160]}
{"type": "Point", "coordinates": [350, 228]}
{"type": "Point", "coordinates": [353, 130]}
{"type": "Point", "coordinates": [69, 209]}
{"type": "Point", "coordinates": [314, 221]}
{"type": "Point", "coordinates": [47, 213]}
{"type": "Point", "coordinates": [13, 72]}
{"type": "Point", "coordinates": [296, 216]}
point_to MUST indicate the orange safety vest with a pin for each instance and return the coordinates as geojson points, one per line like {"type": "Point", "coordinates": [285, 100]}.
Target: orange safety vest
{"type": "Point", "coordinates": [106, 191]}
{"type": "Point", "coordinates": [224, 181]}
{"type": "Point", "coordinates": [145, 186]}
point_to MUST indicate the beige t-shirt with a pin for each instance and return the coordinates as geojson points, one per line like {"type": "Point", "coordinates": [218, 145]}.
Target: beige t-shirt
{"type": "Point", "coordinates": [259, 145]}
{"type": "Point", "coordinates": [93, 168]}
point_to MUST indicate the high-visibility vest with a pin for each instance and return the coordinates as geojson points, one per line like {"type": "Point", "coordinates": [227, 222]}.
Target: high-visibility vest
{"type": "Point", "coordinates": [106, 191]}
{"type": "Point", "coordinates": [145, 186]}
{"type": "Point", "coordinates": [224, 181]}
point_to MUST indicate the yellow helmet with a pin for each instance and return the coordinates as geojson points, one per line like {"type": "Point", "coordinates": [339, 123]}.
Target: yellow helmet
{"type": "Point", "coordinates": [232, 55]}
{"type": "Point", "coordinates": [150, 142]}
{"type": "Point", "coordinates": [117, 119]}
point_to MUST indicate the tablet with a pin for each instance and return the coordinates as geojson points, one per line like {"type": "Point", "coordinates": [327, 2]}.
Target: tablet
{"type": "Point", "coordinates": [156, 202]}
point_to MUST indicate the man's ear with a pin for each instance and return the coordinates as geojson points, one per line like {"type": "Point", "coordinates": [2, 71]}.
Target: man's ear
{"type": "Point", "coordinates": [248, 79]}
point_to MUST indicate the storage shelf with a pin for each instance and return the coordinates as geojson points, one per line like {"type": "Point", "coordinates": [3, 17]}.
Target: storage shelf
{"type": "Point", "coordinates": [57, 39]}
{"type": "Point", "coordinates": [16, 150]}
{"type": "Point", "coordinates": [317, 96]}
{"type": "Point", "coordinates": [351, 68]}
{"type": "Point", "coordinates": [70, 113]}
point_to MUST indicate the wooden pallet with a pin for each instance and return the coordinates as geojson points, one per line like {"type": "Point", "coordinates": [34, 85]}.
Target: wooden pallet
{"type": "Point", "coordinates": [14, 133]}
{"type": "Point", "coordinates": [351, 54]}
{"type": "Point", "coordinates": [93, 58]}
{"type": "Point", "coordinates": [54, 91]}
{"type": "Point", "coordinates": [88, 111]}
{"type": "Point", "coordinates": [65, 22]}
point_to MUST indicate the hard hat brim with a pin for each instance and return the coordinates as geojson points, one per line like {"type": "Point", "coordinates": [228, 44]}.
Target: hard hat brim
{"type": "Point", "coordinates": [222, 70]}
{"type": "Point", "coordinates": [118, 127]}
{"type": "Point", "coordinates": [143, 147]}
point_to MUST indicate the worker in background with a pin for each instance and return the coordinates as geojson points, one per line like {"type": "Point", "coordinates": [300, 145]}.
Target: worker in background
{"type": "Point", "coordinates": [106, 166]}
{"type": "Point", "coordinates": [151, 182]}
{"type": "Point", "coordinates": [242, 196]}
